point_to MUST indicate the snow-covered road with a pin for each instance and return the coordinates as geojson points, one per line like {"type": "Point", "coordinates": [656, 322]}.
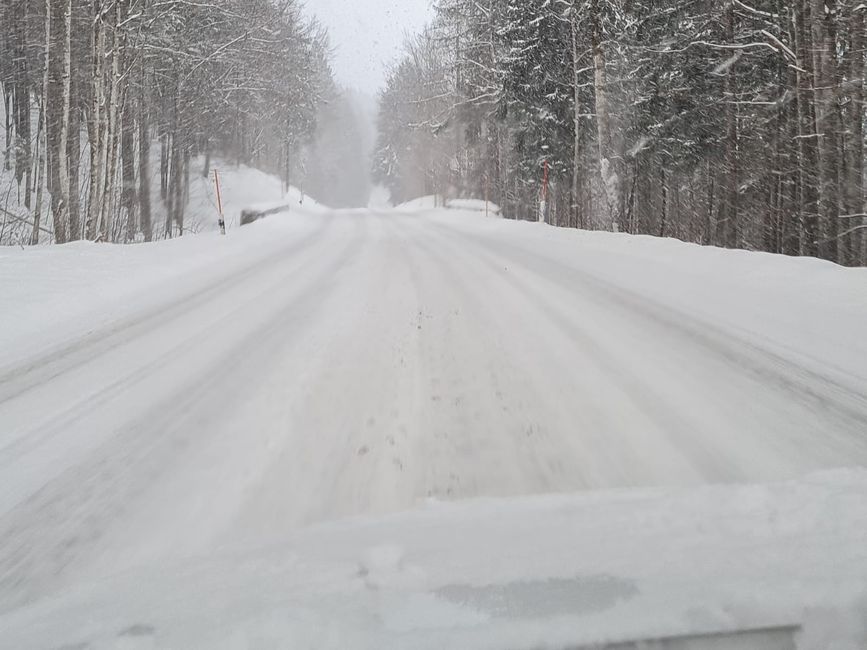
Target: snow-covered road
{"type": "Point", "coordinates": [357, 362]}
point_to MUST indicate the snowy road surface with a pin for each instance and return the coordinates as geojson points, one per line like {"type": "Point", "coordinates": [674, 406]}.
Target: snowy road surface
{"type": "Point", "coordinates": [355, 363]}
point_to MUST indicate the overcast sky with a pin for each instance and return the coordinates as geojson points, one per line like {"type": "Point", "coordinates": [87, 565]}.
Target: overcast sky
{"type": "Point", "coordinates": [367, 35]}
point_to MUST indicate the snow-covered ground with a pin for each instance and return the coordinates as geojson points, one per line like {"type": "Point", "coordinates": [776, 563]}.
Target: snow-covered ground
{"type": "Point", "coordinates": [474, 205]}
{"type": "Point", "coordinates": [422, 203]}
{"type": "Point", "coordinates": [427, 203]}
{"type": "Point", "coordinates": [225, 398]}
{"type": "Point", "coordinates": [242, 187]}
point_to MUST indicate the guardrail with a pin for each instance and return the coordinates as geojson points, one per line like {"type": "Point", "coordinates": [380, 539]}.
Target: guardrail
{"type": "Point", "coordinates": [251, 215]}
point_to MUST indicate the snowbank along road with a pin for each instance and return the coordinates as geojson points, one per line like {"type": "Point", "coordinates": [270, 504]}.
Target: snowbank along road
{"type": "Point", "coordinates": [319, 366]}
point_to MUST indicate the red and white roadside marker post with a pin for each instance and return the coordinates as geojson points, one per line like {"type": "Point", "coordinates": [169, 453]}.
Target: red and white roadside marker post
{"type": "Point", "coordinates": [222, 221]}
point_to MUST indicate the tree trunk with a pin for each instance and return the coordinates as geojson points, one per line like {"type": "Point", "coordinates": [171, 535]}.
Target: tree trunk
{"type": "Point", "coordinates": [607, 164]}
{"type": "Point", "coordinates": [74, 154]}
{"type": "Point", "coordinates": [7, 152]}
{"type": "Point", "coordinates": [177, 186]}
{"type": "Point", "coordinates": [855, 149]}
{"type": "Point", "coordinates": [710, 183]}
{"type": "Point", "coordinates": [129, 199]}
{"type": "Point", "coordinates": [206, 170]}
{"type": "Point", "coordinates": [112, 140]}
{"type": "Point", "coordinates": [40, 173]}
{"type": "Point", "coordinates": [144, 163]}
{"type": "Point", "coordinates": [663, 188]}
{"type": "Point", "coordinates": [808, 164]}
{"type": "Point", "coordinates": [577, 216]}
{"type": "Point", "coordinates": [790, 221]}
{"type": "Point", "coordinates": [57, 105]}
{"type": "Point", "coordinates": [731, 207]}
{"type": "Point", "coordinates": [96, 129]}
{"type": "Point", "coordinates": [66, 108]}
{"type": "Point", "coordinates": [164, 167]}
{"type": "Point", "coordinates": [175, 190]}
{"type": "Point", "coordinates": [21, 107]}
{"type": "Point", "coordinates": [824, 47]}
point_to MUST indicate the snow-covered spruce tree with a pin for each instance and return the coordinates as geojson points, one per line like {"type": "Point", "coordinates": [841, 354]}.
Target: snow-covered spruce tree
{"type": "Point", "coordinates": [536, 100]}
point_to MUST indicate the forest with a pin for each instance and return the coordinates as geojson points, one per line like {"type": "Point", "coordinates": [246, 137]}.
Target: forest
{"type": "Point", "coordinates": [104, 99]}
{"type": "Point", "coordinates": [728, 123]}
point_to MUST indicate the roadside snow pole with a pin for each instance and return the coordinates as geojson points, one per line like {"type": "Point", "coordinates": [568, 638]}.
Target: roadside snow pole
{"type": "Point", "coordinates": [219, 202]}
{"type": "Point", "coordinates": [543, 204]}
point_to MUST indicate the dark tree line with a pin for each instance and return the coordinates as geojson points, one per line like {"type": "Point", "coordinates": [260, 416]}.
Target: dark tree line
{"type": "Point", "coordinates": [732, 123]}
{"type": "Point", "coordinates": [105, 99]}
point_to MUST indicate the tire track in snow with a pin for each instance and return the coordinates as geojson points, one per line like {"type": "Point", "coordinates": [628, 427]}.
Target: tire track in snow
{"type": "Point", "coordinates": [36, 372]}
{"type": "Point", "coordinates": [525, 383]}
{"type": "Point", "coordinates": [736, 350]}
{"type": "Point", "coordinates": [838, 441]}
{"type": "Point", "coordinates": [58, 526]}
{"type": "Point", "coordinates": [351, 424]}
{"type": "Point", "coordinates": [573, 442]}
{"type": "Point", "coordinates": [22, 414]}
{"type": "Point", "coordinates": [504, 434]}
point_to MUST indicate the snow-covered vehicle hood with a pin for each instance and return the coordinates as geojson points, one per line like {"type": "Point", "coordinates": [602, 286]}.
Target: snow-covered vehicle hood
{"type": "Point", "coordinates": [552, 571]}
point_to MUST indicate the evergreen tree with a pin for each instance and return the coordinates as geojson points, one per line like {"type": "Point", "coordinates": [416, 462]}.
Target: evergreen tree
{"type": "Point", "coordinates": [729, 123]}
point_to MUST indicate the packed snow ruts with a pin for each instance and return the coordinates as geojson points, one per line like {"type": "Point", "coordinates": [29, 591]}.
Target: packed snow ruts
{"type": "Point", "coordinates": [493, 363]}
